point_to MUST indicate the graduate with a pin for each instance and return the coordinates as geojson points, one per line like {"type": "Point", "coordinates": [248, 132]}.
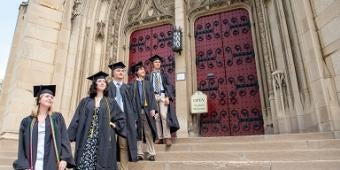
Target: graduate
{"type": "Point", "coordinates": [94, 126]}
{"type": "Point", "coordinates": [43, 139]}
{"type": "Point", "coordinates": [167, 122]}
{"type": "Point", "coordinates": [144, 103]}
{"type": "Point", "coordinates": [118, 90]}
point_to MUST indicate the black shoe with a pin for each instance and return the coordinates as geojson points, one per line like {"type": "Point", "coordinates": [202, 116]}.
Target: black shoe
{"type": "Point", "coordinates": [151, 158]}
{"type": "Point", "coordinates": [140, 157]}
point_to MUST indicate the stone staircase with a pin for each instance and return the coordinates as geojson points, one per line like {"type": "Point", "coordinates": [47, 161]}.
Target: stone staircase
{"type": "Point", "coordinates": [305, 151]}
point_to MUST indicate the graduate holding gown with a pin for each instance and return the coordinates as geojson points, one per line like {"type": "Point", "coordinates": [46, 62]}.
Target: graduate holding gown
{"type": "Point", "coordinates": [94, 126]}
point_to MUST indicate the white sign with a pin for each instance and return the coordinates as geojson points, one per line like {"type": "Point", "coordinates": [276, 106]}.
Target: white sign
{"type": "Point", "coordinates": [180, 76]}
{"type": "Point", "coordinates": [199, 103]}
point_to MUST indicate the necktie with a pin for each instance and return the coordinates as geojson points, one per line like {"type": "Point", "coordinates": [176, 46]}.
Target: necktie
{"type": "Point", "coordinates": [141, 92]}
{"type": "Point", "coordinates": [157, 84]}
{"type": "Point", "coordinates": [119, 98]}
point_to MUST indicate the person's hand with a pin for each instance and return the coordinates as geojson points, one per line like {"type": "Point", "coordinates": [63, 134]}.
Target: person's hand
{"type": "Point", "coordinates": [113, 125]}
{"type": "Point", "coordinates": [62, 165]}
{"type": "Point", "coordinates": [166, 101]}
{"type": "Point", "coordinates": [153, 114]}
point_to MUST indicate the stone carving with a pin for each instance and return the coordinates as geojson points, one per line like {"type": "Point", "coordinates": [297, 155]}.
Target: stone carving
{"type": "Point", "coordinates": [100, 30]}
{"type": "Point", "coordinates": [112, 31]}
{"type": "Point", "coordinates": [145, 11]}
{"type": "Point", "coordinates": [280, 89]}
{"type": "Point", "coordinates": [193, 6]}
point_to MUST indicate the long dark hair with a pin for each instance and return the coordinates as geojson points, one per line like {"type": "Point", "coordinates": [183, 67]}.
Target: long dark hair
{"type": "Point", "coordinates": [93, 89]}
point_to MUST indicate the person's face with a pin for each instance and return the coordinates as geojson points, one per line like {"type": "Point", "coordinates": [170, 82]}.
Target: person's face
{"type": "Point", "coordinates": [141, 72]}
{"type": "Point", "coordinates": [157, 64]}
{"type": "Point", "coordinates": [118, 73]}
{"type": "Point", "coordinates": [101, 84]}
{"type": "Point", "coordinates": [46, 100]}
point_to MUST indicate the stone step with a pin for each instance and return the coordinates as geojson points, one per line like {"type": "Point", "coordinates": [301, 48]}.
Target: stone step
{"type": "Point", "coordinates": [244, 146]}
{"type": "Point", "coordinates": [225, 165]}
{"type": "Point", "coordinates": [237, 165]}
{"type": "Point", "coordinates": [258, 138]}
{"type": "Point", "coordinates": [255, 146]}
{"type": "Point", "coordinates": [271, 155]}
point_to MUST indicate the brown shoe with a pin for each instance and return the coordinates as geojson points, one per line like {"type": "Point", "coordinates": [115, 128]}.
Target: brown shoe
{"type": "Point", "coordinates": [158, 141]}
{"type": "Point", "coordinates": [168, 141]}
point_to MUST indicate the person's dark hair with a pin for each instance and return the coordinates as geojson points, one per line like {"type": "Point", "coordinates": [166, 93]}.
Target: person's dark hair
{"type": "Point", "coordinates": [93, 89]}
{"type": "Point", "coordinates": [137, 69]}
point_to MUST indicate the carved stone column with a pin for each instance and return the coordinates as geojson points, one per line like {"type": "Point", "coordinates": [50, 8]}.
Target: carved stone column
{"type": "Point", "coordinates": [281, 102]}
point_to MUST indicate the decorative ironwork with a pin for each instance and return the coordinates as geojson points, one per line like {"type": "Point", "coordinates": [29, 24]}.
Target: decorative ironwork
{"type": "Point", "coordinates": [226, 72]}
{"type": "Point", "coordinates": [147, 42]}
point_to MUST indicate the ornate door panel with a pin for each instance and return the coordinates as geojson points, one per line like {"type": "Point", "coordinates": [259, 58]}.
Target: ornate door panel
{"type": "Point", "coordinates": [226, 72]}
{"type": "Point", "coordinates": [147, 42]}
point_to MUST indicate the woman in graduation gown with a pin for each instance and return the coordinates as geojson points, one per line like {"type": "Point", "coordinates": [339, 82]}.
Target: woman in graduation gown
{"type": "Point", "coordinates": [94, 127]}
{"type": "Point", "coordinates": [43, 139]}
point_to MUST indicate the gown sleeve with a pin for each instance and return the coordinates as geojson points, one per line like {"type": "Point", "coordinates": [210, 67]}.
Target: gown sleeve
{"type": "Point", "coordinates": [169, 87]}
{"type": "Point", "coordinates": [118, 118]}
{"type": "Point", "coordinates": [73, 127]}
{"type": "Point", "coordinates": [23, 161]}
{"type": "Point", "coordinates": [152, 98]}
{"type": "Point", "coordinates": [66, 152]}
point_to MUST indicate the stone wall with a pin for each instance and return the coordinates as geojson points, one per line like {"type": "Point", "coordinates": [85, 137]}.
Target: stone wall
{"type": "Point", "coordinates": [32, 59]}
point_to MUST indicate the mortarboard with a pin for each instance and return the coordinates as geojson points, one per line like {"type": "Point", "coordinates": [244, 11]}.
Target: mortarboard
{"type": "Point", "coordinates": [156, 57]}
{"type": "Point", "coordinates": [98, 75]}
{"type": "Point", "coordinates": [40, 89]}
{"type": "Point", "coordinates": [134, 68]}
{"type": "Point", "coordinates": [116, 65]}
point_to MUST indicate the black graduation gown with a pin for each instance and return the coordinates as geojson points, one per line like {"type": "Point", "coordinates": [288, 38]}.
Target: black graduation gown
{"type": "Point", "coordinates": [81, 123]}
{"type": "Point", "coordinates": [151, 105]}
{"type": "Point", "coordinates": [62, 140]}
{"type": "Point", "coordinates": [169, 92]}
{"type": "Point", "coordinates": [130, 130]}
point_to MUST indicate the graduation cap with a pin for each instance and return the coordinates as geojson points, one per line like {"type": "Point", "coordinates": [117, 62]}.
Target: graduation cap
{"type": "Point", "coordinates": [156, 57]}
{"type": "Point", "coordinates": [40, 89]}
{"type": "Point", "coordinates": [134, 68]}
{"type": "Point", "coordinates": [116, 65]}
{"type": "Point", "coordinates": [99, 75]}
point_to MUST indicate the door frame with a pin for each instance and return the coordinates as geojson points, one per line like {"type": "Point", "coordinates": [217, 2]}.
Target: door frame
{"type": "Point", "coordinates": [192, 76]}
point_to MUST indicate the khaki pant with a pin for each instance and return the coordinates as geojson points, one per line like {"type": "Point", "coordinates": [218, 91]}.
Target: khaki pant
{"type": "Point", "coordinates": [163, 129]}
{"type": "Point", "coordinates": [124, 153]}
{"type": "Point", "coordinates": [149, 146]}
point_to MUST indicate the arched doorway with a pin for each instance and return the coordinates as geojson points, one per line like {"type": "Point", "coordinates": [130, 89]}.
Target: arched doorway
{"type": "Point", "coordinates": [226, 72]}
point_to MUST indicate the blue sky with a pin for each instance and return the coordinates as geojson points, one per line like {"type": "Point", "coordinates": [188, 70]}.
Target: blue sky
{"type": "Point", "coordinates": [8, 14]}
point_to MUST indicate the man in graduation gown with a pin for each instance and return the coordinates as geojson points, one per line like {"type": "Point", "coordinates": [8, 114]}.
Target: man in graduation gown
{"type": "Point", "coordinates": [144, 104]}
{"type": "Point", "coordinates": [28, 148]}
{"type": "Point", "coordinates": [120, 92]}
{"type": "Point", "coordinates": [167, 122]}
{"type": "Point", "coordinates": [82, 124]}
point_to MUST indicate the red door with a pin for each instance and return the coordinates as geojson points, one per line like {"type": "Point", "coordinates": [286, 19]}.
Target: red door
{"type": "Point", "coordinates": [147, 42]}
{"type": "Point", "coordinates": [226, 72]}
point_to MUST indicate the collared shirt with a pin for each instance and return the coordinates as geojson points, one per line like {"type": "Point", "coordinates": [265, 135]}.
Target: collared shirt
{"type": "Point", "coordinates": [141, 91]}
{"type": "Point", "coordinates": [118, 97]}
{"type": "Point", "coordinates": [158, 73]}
